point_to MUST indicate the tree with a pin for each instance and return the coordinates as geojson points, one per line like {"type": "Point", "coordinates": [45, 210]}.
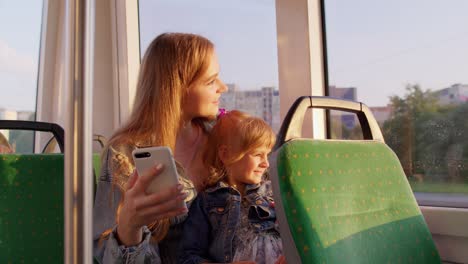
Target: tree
{"type": "Point", "coordinates": [403, 129]}
{"type": "Point", "coordinates": [429, 139]}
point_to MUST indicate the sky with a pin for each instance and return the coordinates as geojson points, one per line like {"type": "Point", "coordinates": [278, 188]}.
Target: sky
{"type": "Point", "coordinates": [381, 46]}
{"type": "Point", "coordinates": [376, 46]}
{"type": "Point", "coordinates": [243, 31]}
{"type": "Point", "coordinates": [19, 52]}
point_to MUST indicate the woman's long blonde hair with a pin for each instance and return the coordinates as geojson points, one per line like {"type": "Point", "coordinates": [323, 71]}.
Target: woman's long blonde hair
{"type": "Point", "coordinates": [172, 64]}
{"type": "Point", "coordinates": [240, 133]}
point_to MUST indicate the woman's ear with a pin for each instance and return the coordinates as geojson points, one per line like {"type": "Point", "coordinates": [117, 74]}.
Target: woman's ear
{"type": "Point", "coordinates": [223, 153]}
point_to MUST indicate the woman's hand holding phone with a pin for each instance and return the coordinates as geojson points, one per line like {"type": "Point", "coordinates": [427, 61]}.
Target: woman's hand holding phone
{"type": "Point", "coordinates": [140, 208]}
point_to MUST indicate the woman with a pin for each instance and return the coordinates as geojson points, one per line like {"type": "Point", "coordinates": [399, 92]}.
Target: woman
{"type": "Point", "coordinates": [177, 95]}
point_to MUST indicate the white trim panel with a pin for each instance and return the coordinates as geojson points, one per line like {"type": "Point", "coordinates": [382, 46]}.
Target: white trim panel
{"type": "Point", "coordinates": [449, 231]}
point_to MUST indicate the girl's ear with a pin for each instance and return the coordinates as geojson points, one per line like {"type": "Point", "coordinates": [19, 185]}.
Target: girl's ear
{"type": "Point", "coordinates": [223, 153]}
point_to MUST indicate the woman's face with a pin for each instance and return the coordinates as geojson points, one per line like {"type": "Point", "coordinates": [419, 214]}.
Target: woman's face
{"type": "Point", "coordinates": [203, 97]}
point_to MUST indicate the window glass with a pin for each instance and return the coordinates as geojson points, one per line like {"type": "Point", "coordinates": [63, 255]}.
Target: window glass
{"type": "Point", "coordinates": [407, 61]}
{"type": "Point", "coordinates": [344, 125]}
{"type": "Point", "coordinates": [244, 33]}
{"type": "Point", "coordinates": [22, 141]}
{"type": "Point", "coordinates": [20, 29]}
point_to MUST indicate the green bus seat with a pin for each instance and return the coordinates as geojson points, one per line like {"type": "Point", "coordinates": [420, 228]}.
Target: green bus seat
{"type": "Point", "coordinates": [96, 170]}
{"type": "Point", "coordinates": [346, 201]}
{"type": "Point", "coordinates": [31, 207]}
{"type": "Point", "coordinates": [31, 199]}
{"type": "Point", "coordinates": [96, 166]}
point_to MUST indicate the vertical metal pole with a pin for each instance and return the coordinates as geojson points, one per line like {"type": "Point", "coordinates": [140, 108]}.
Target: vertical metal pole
{"type": "Point", "coordinates": [299, 31]}
{"type": "Point", "coordinates": [78, 138]}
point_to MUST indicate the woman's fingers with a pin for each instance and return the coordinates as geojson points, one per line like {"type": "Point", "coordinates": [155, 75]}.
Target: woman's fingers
{"type": "Point", "coordinates": [144, 207]}
{"type": "Point", "coordinates": [162, 208]}
{"type": "Point", "coordinates": [169, 214]}
{"type": "Point", "coordinates": [160, 198]}
{"type": "Point", "coordinates": [131, 180]}
{"type": "Point", "coordinates": [147, 177]}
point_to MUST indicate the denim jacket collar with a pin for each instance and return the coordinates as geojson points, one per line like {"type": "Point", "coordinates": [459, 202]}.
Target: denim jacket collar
{"type": "Point", "coordinates": [249, 188]}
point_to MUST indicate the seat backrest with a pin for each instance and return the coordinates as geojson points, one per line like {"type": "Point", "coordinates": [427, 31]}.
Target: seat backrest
{"type": "Point", "coordinates": [347, 202]}
{"type": "Point", "coordinates": [53, 128]}
{"type": "Point", "coordinates": [31, 206]}
{"type": "Point", "coordinates": [100, 139]}
{"type": "Point", "coordinates": [50, 146]}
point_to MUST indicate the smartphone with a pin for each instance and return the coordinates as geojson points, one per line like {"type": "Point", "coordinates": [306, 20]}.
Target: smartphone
{"type": "Point", "coordinates": [145, 158]}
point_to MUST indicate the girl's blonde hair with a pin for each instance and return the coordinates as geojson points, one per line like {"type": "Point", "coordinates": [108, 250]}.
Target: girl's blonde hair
{"type": "Point", "coordinates": [240, 133]}
{"type": "Point", "coordinates": [172, 64]}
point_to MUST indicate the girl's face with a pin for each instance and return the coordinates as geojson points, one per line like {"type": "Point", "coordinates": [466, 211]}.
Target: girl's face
{"type": "Point", "coordinates": [203, 97]}
{"type": "Point", "coordinates": [250, 168]}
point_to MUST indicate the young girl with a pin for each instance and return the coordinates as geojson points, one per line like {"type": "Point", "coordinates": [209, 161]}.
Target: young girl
{"type": "Point", "coordinates": [234, 219]}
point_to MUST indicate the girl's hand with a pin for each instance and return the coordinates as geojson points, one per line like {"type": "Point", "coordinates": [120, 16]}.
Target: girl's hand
{"type": "Point", "coordinates": [140, 209]}
{"type": "Point", "coordinates": [281, 260]}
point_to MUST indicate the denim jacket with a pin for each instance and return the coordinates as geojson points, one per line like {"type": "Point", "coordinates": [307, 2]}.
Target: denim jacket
{"type": "Point", "coordinates": [109, 251]}
{"type": "Point", "coordinates": [214, 217]}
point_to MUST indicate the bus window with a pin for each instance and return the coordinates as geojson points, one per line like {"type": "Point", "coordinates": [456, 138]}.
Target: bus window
{"type": "Point", "coordinates": [244, 33]}
{"type": "Point", "coordinates": [404, 60]}
{"type": "Point", "coordinates": [345, 125]}
{"type": "Point", "coordinates": [22, 141]}
{"type": "Point", "coordinates": [20, 30]}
